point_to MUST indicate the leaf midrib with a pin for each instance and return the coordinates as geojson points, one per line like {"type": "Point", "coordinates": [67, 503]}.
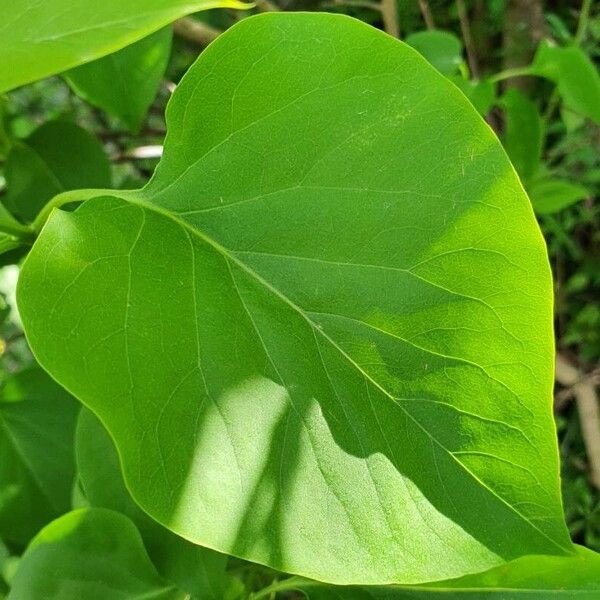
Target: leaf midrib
{"type": "Point", "coordinates": [136, 198]}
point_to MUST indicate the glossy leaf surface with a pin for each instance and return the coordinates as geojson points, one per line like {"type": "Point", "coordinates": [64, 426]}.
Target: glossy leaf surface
{"type": "Point", "coordinates": [125, 83]}
{"type": "Point", "coordinates": [89, 553]}
{"type": "Point", "coordinates": [37, 424]}
{"type": "Point", "coordinates": [197, 570]}
{"type": "Point", "coordinates": [360, 384]}
{"type": "Point", "coordinates": [34, 45]}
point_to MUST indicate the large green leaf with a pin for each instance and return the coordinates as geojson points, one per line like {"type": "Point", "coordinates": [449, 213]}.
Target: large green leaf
{"type": "Point", "coordinates": [38, 39]}
{"type": "Point", "coordinates": [37, 424]}
{"type": "Point", "coordinates": [528, 578]}
{"type": "Point", "coordinates": [197, 570]}
{"type": "Point", "coordinates": [57, 156]}
{"type": "Point", "coordinates": [575, 75]}
{"type": "Point", "coordinates": [321, 337]}
{"type": "Point", "coordinates": [93, 554]}
{"type": "Point", "coordinates": [125, 83]}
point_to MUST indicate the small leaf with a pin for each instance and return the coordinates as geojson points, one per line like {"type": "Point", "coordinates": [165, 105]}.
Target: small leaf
{"type": "Point", "coordinates": [125, 83]}
{"type": "Point", "coordinates": [481, 93]}
{"type": "Point", "coordinates": [89, 553]}
{"type": "Point", "coordinates": [199, 571]}
{"type": "Point", "coordinates": [37, 424]}
{"type": "Point", "coordinates": [531, 578]}
{"type": "Point", "coordinates": [57, 156]}
{"type": "Point", "coordinates": [321, 337]}
{"type": "Point", "coordinates": [551, 195]}
{"type": "Point", "coordinates": [523, 133]}
{"type": "Point", "coordinates": [575, 75]}
{"type": "Point", "coordinates": [442, 49]}
{"type": "Point", "coordinates": [34, 46]}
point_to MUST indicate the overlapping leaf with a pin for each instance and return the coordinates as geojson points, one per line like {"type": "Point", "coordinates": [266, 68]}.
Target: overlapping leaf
{"type": "Point", "coordinates": [38, 39]}
{"type": "Point", "coordinates": [321, 337]}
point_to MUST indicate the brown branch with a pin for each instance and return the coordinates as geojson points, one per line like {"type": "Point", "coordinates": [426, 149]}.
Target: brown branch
{"type": "Point", "coordinates": [426, 12]}
{"type": "Point", "coordinates": [352, 3]}
{"type": "Point", "coordinates": [465, 29]}
{"type": "Point", "coordinates": [589, 412]}
{"type": "Point", "coordinates": [195, 31]}
{"type": "Point", "coordinates": [266, 6]}
{"type": "Point", "coordinates": [389, 14]}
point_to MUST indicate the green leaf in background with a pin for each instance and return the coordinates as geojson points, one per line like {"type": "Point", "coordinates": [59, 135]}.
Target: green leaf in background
{"type": "Point", "coordinates": [125, 83]}
{"type": "Point", "coordinates": [57, 156]}
{"type": "Point", "coordinates": [37, 426]}
{"type": "Point", "coordinates": [199, 571]}
{"type": "Point", "coordinates": [551, 195]}
{"type": "Point", "coordinates": [310, 336]}
{"type": "Point", "coordinates": [92, 554]}
{"type": "Point", "coordinates": [442, 49]}
{"type": "Point", "coordinates": [529, 578]}
{"type": "Point", "coordinates": [34, 45]}
{"type": "Point", "coordinates": [481, 93]}
{"type": "Point", "coordinates": [575, 75]}
{"type": "Point", "coordinates": [523, 132]}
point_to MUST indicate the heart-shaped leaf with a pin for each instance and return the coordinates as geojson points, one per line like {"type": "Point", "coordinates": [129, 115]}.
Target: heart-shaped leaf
{"type": "Point", "coordinates": [321, 337]}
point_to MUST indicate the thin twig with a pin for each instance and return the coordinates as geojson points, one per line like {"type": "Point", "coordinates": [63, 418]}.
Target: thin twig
{"type": "Point", "coordinates": [589, 412]}
{"type": "Point", "coordinates": [195, 31]}
{"type": "Point", "coordinates": [465, 29]}
{"type": "Point", "coordinates": [266, 6]}
{"type": "Point", "coordinates": [389, 14]}
{"type": "Point", "coordinates": [353, 3]}
{"type": "Point", "coordinates": [426, 12]}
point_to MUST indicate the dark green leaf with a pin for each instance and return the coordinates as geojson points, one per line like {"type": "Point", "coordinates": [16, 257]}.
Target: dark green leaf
{"type": "Point", "coordinates": [37, 424]}
{"type": "Point", "coordinates": [92, 554]}
{"type": "Point", "coordinates": [481, 94]}
{"type": "Point", "coordinates": [57, 156]}
{"type": "Point", "coordinates": [321, 337]}
{"type": "Point", "coordinates": [125, 83]}
{"type": "Point", "coordinates": [197, 570]}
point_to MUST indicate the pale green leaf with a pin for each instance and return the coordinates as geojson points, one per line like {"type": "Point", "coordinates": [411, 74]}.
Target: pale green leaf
{"type": "Point", "coordinates": [38, 39]}
{"type": "Point", "coordinates": [575, 75]}
{"type": "Point", "coordinates": [197, 570]}
{"type": "Point", "coordinates": [57, 156]}
{"type": "Point", "coordinates": [92, 554]}
{"type": "Point", "coordinates": [321, 337]}
{"type": "Point", "coordinates": [125, 83]}
{"type": "Point", "coordinates": [528, 578]}
{"type": "Point", "coordinates": [550, 195]}
{"type": "Point", "coordinates": [441, 48]}
{"type": "Point", "coordinates": [523, 132]}
{"type": "Point", "coordinates": [37, 424]}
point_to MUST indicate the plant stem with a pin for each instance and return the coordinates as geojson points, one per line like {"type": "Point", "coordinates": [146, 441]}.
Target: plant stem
{"type": "Point", "coordinates": [584, 17]}
{"type": "Point", "coordinates": [65, 198]}
{"type": "Point", "coordinates": [426, 13]}
{"type": "Point", "coordinates": [465, 28]}
{"type": "Point", "coordinates": [509, 73]}
{"type": "Point", "coordinates": [389, 13]}
{"type": "Point", "coordinates": [291, 583]}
